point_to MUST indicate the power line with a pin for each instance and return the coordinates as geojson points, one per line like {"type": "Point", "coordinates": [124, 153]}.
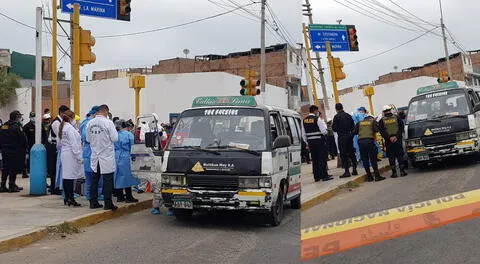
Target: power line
{"type": "Point", "coordinates": [16, 21]}
{"type": "Point", "coordinates": [398, 46]}
{"type": "Point", "coordinates": [174, 26]}
{"type": "Point", "coordinates": [408, 12]}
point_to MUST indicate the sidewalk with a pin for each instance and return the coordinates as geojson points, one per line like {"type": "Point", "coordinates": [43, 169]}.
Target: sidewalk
{"type": "Point", "coordinates": [24, 218]}
{"type": "Point", "coordinates": [314, 193]}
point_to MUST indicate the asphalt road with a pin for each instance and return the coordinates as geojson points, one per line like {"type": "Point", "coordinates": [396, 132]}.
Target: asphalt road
{"type": "Point", "coordinates": [145, 238]}
{"type": "Point", "coordinates": [455, 243]}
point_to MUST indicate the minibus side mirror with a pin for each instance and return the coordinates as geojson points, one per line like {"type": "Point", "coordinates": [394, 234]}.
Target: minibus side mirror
{"type": "Point", "coordinates": [281, 142]}
{"type": "Point", "coordinates": [150, 139]}
{"type": "Point", "coordinates": [476, 108]}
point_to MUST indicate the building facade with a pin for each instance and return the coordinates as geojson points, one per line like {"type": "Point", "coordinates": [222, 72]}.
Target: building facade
{"type": "Point", "coordinates": [283, 68]}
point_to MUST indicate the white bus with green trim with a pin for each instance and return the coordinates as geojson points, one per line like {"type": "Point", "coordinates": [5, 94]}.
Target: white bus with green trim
{"type": "Point", "coordinates": [229, 153]}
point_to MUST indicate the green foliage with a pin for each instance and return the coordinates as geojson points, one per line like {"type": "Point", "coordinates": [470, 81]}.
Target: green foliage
{"type": "Point", "coordinates": [8, 84]}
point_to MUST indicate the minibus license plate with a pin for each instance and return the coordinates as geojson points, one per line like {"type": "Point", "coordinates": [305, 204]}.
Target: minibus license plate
{"type": "Point", "coordinates": [183, 204]}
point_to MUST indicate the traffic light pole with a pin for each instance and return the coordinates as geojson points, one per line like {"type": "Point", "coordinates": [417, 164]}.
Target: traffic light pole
{"type": "Point", "coordinates": [76, 58]}
{"type": "Point", "coordinates": [54, 59]}
{"type": "Point", "coordinates": [447, 57]}
{"type": "Point", "coordinates": [332, 72]}
{"type": "Point", "coordinates": [309, 59]}
{"type": "Point", "coordinates": [262, 51]}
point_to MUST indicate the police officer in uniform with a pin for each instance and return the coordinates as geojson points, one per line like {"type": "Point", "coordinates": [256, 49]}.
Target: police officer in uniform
{"type": "Point", "coordinates": [315, 135]}
{"type": "Point", "coordinates": [13, 144]}
{"type": "Point", "coordinates": [29, 130]}
{"type": "Point", "coordinates": [391, 128]}
{"type": "Point", "coordinates": [343, 124]}
{"type": "Point", "coordinates": [366, 131]}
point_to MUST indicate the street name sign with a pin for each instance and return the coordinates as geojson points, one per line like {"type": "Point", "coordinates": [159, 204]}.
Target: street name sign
{"type": "Point", "coordinates": [336, 34]}
{"type": "Point", "coordinates": [95, 8]}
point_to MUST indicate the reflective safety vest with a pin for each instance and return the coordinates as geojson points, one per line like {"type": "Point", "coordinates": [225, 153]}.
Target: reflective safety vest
{"type": "Point", "coordinates": [365, 129]}
{"type": "Point", "coordinates": [391, 125]}
{"type": "Point", "coordinates": [312, 131]}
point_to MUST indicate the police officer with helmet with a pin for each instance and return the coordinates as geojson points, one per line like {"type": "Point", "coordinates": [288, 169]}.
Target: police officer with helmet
{"type": "Point", "coordinates": [366, 131]}
{"type": "Point", "coordinates": [315, 133]}
{"type": "Point", "coordinates": [391, 129]}
{"type": "Point", "coordinates": [13, 144]}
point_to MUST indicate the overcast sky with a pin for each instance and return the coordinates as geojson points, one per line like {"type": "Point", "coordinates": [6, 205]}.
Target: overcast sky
{"type": "Point", "coordinates": [233, 32]}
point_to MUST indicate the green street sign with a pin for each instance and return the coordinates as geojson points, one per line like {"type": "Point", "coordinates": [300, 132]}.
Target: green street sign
{"type": "Point", "coordinates": [327, 27]}
{"type": "Point", "coordinates": [224, 101]}
{"type": "Point", "coordinates": [440, 86]}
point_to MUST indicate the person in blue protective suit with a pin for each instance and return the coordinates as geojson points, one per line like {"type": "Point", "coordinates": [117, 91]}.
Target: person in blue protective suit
{"type": "Point", "coordinates": [358, 117]}
{"type": "Point", "coordinates": [124, 179]}
{"type": "Point", "coordinates": [87, 151]}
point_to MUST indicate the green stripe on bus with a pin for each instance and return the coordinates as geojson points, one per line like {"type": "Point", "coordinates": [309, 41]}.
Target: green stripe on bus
{"type": "Point", "coordinates": [294, 170]}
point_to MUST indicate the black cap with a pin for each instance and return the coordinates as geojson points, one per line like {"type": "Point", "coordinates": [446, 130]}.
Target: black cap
{"type": "Point", "coordinates": [338, 107]}
{"type": "Point", "coordinates": [14, 115]}
{"type": "Point", "coordinates": [63, 109]}
{"type": "Point", "coordinates": [32, 114]}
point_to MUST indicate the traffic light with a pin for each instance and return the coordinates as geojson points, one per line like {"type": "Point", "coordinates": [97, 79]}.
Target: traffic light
{"type": "Point", "coordinates": [443, 77]}
{"type": "Point", "coordinates": [249, 84]}
{"type": "Point", "coordinates": [337, 73]}
{"type": "Point", "coordinates": [352, 38]}
{"type": "Point", "coordinates": [124, 10]}
{"type": "Point", "coordinates": [87, 41]}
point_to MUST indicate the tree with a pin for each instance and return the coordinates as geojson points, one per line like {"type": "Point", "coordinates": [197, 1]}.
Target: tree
{"type": "Point", "coordinates": [8, 84]}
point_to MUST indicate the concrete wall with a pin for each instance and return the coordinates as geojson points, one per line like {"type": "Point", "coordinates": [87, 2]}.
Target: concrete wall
{"type": "Point", "coordinates": [166, 93]}
{"type": "Point", "coordinates": [398, 93]}
{"type": "Point", "coordinates": [22, 103]}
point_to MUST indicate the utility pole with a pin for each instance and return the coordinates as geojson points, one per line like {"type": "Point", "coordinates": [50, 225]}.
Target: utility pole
{"type": "Point", "coordinates": [38, 153]}
{"type": "Point", "coordinates": [262, 51]}
{"type": "Point", "coordinates": [319, 62]}
{"type": "Point", "coordinates": [54, 60]}
{"type": "Point", "coordinates": [447, 56]}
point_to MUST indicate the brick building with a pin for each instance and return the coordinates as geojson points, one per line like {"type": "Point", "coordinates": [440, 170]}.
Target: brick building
{"type": "Point", "coordinates": [283, 67]}
{"type": "Point", "coordinates": [465, 67]}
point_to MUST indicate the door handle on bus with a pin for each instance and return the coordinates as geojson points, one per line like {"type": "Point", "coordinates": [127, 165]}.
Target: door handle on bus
{"type": "Point", "coordinates": [291, 157]}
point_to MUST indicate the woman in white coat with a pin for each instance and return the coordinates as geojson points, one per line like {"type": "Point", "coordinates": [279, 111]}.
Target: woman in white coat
{"type": "Point", "coordinates": [71, 156]}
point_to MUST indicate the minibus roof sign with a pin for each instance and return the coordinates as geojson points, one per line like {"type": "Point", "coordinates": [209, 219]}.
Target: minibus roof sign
{"type": "Point", "coordinates": [440, 86]}
{"type": "Point", "coordinates": [224, 101]}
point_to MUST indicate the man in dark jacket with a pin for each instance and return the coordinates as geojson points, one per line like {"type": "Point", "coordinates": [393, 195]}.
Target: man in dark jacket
{"type": "Point", "coordinates": [29, 130]}
{"type": "Point", "coordinates": [391, 128]}
{"type": "Point", "coordinates": [343, 125]}
{"type": "Point", "coordinates": [13, 145]}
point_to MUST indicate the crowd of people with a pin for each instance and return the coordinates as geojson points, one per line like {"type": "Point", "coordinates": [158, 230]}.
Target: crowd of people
{"type": "Point", "coordinates": [98, 150]}
{"type": "Point", "coordinates": [356, 140]}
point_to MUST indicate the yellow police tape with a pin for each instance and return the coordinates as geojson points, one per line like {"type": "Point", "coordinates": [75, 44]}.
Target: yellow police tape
{"type": "Point", "coordinates": [392, 214]}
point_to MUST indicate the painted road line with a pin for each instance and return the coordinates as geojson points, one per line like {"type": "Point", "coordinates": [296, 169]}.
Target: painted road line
{"type": "Point", "coordinates": [337, 242]}
{"type": "Point", "coordinates": [392, 214]}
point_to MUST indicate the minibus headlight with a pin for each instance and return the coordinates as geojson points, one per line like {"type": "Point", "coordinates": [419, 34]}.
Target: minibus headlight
{"type": "Point", "coordinates": [248, 182]}
{"type": "Point", "coordinates": [466, 135]}
{"type": "Point", "coordinates": [414, 143]}
{"type": "Point", "coordinates": [265, 182]}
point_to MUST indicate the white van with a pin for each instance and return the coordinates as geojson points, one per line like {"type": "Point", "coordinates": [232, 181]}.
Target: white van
{"type": "Point", "coordinates": [228, 153]}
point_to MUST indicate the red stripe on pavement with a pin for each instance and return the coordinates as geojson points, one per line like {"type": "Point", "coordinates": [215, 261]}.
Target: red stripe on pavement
{"type": "Point", "coordinates": [341, 241]}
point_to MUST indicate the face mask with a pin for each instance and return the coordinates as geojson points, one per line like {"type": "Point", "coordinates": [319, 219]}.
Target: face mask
{"type": "Point", "coordinates": [32, 119]}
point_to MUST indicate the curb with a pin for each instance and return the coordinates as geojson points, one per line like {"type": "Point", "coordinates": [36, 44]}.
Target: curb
{"type": "Point", "coordinates": [329, 194]}
{"type": "Point", "coordinates": [80, 222]}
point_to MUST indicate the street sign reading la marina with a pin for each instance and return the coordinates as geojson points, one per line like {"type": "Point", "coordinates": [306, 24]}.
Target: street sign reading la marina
{"type": "Point", "coordinates": [95, 8]}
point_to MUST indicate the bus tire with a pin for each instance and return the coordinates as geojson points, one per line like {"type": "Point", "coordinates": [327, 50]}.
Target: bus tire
{"type": "Point", "coordinates": [183, 214]}
{"type": "Point", "coordinates": [274, 217]}
{"type": "Point", "coordinates": [296, 203]}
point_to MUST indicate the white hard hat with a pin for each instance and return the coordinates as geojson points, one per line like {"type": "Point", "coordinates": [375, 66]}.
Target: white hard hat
{"type": "Point", "coordinates": [47, 116]}
{"type": "Point", "coordinates": [387, 107]}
